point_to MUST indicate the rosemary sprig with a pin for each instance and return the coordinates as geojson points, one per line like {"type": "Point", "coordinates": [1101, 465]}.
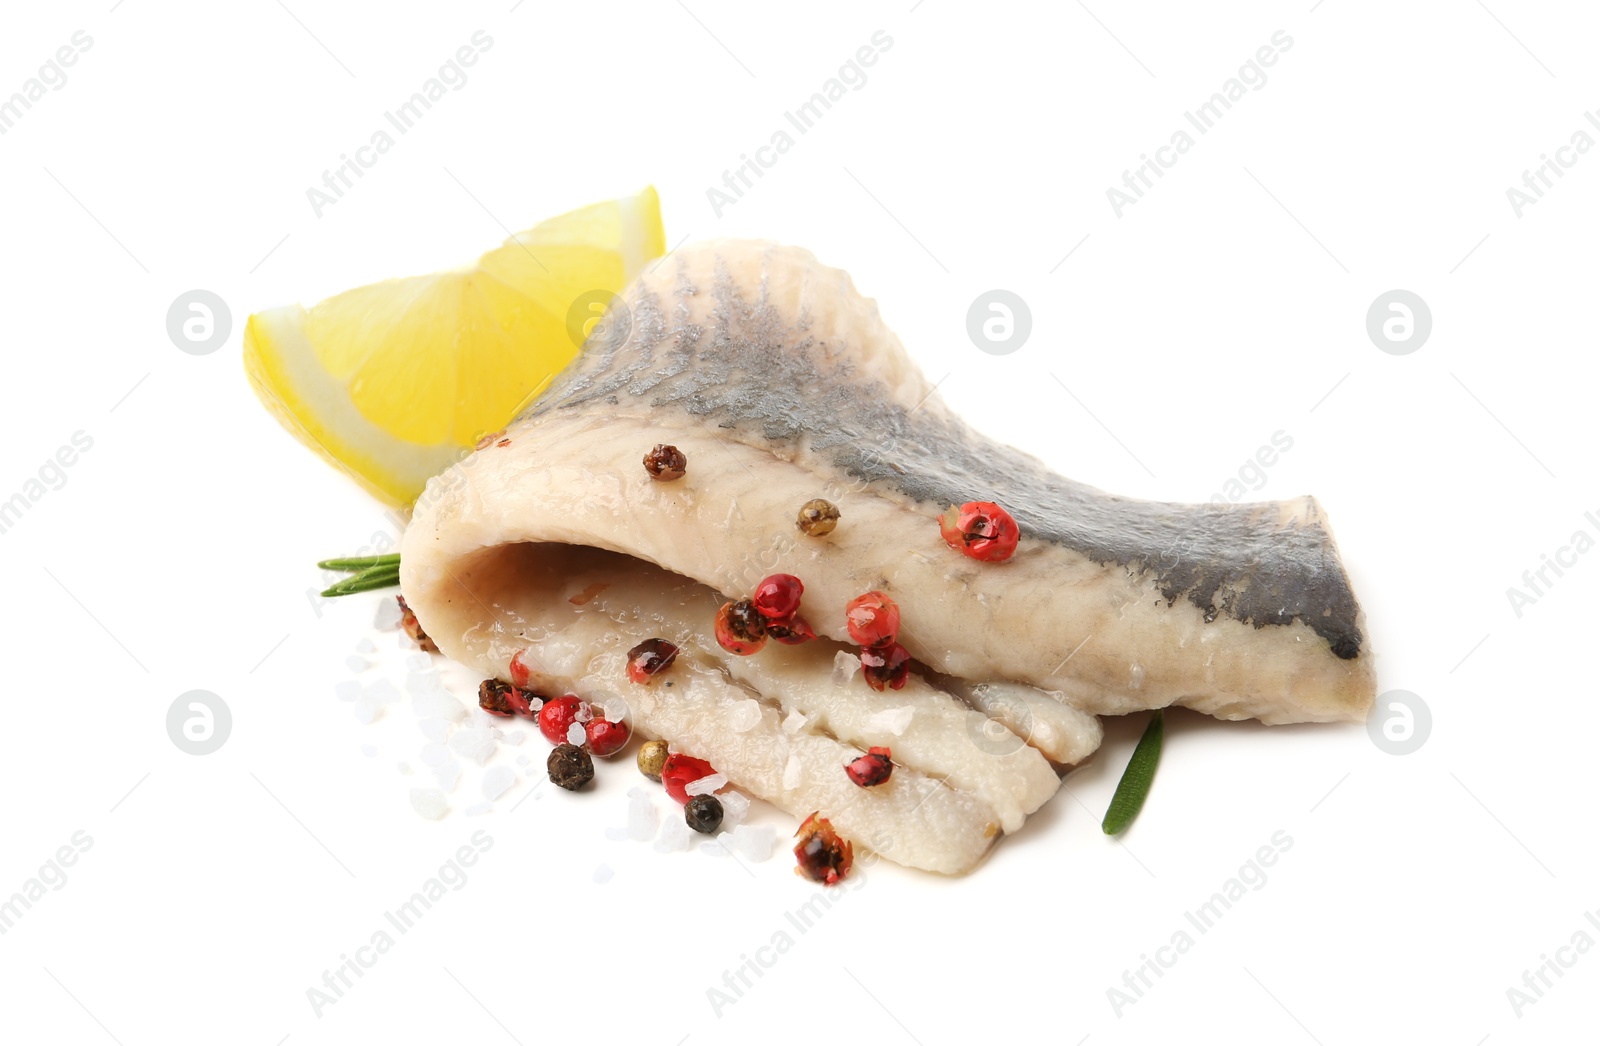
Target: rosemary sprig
{"type": "Point", "coordinates": [1129, 797]}
{"type": "Point", "coordinates": [368, 573]}
{"type": "Point", "coordinates": [360, 562]}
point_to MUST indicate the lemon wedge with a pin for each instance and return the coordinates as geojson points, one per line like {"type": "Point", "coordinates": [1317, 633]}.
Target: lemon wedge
{"type": "Point", "coordinates": [391, 382]}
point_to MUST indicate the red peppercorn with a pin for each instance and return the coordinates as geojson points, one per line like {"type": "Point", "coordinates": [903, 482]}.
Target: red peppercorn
{"type": "Point", "coordinates": [821, 855]}
{"type": "Point", "coordinates": [740, 628]}
{"type": "Point", "coordinates": [872, 619]}
{"type": "Point", "coordinates": [413, 628]}
{"type": "Point", "coordinates": [520, 672]}
{"type": "Point", "coordinates": [885, 666]}
{"type": "Point", "coordinates": [871, 769]}
{"type": "Point", "coordinates": [557, 716]}
{"type": "Point", "coordinates": [503, 699]}
{"type": "Point", "coordinates": [650, 658]}
{"type": "Point", "coordinates": [606, 737]}
{"type": "Point", "coordinates": [679, 771]}
{"type": "Point", "coordinates": [980, 529]}
{"type": "Point", "coordinates": [791, 632]}
{"type": "Point", "coordinates": [777, 597]}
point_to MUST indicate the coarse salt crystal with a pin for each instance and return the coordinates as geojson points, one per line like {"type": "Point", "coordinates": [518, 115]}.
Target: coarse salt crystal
{"type": "Point", "coordinates": [429, 803]}
{"type": "Point", "coordinates": [381, 692]}
{"type": "Point", "coordinates": [576, 735]}
{"type": "Point", "coordinates": [448, 774]}
{"type": "Point", "coordinates": [348, 690]}
{"type": "Point", "coordinates": [791, 772]}
{"type": "Point", "coordinates": [706, 785]}
{"type": "Point", "coordinates": [497, 781]}
{"type": "Point", "coordinates": [746, 715]}
{"type": "Point", "coordinates": [584, 713]}
{"type": "Point", "coordinates": [357, 664]}
{"type": "Point", "coordinates": [369, 750]}
{"type": "Point", "coordinates": [365, 646]}
{"type": "Point", "coordinates": [434, 729]}
{"type": "Point", "coordinates": [676, 835]}
{"type": "Point", "coordinates": [365, 713]}
{"type": "Point", "coordinates": [794, 722]}
{"type": "Point", "coordinates": [475, 743]}
{"type": "Point", "coordinates": [642, 819]}
{"type": "Point", "coordinates": [735, 808]}
{"type": "Point", "coordinates": [514, 738]}
{"type": "Point", "coordinates": [751, 842]}
{"type": "Point", "coordinates": [602, 874]}
{"type": "Point", "coordinates": [844, 666]}
{"type": "Point", "coordinates": [387, 618]}
{"type": "Point", "coordinates": [894, 720]}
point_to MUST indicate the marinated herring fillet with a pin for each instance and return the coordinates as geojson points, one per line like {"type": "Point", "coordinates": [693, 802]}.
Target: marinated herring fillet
{"type": "Point", "coordinates": [781, 384]}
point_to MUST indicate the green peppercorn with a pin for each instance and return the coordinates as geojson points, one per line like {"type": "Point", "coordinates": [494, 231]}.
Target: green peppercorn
{"type": "Point", "coordinates": [570, 767]}
{"type": "Point", "coordinates": [652, 757]}
{"type": "Point", "coordinates": [817, 517]}
{"type": "Point", "coordinates": [703, 812]}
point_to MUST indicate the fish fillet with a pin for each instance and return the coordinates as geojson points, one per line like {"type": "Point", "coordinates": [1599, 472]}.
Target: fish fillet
{"type": "Point", "coordinates": [781, 383]}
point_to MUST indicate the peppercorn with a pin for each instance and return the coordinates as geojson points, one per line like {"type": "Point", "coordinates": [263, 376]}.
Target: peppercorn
{"type": "Point", "coordinates": [569, 766]}
{"type": "Point", "coordinates": [777, 596]}
{"type": "Point", "coordinates": [791, 632]}
{"type": "Point", "coordinates": [981, 530]}
{"type": "Point", "coordinates": [652, 757]}
{"type": "Point", "coordinates": [680, 771]}
{"type": "Point", "coordinates": [703, 813]}
{"type": "Point", "coordinates": [557, 717]}
{"type": "Point", "coordinates": [503, 699]}
{"type": "Point", "coordinates": [885, 666]}
{"type": "Point", "coordinates": [740, 628]}
{"type": "Point", "coordinates": [872, 619]}
{"type": "Point", "coordinates": [666, 462]}
{"type": "Point", "coordinates": [605, 737]}
{"type": "Point", "coordinates": [871, 769]}
{"type": "Point", "coordinates": [821, 854]}
{"type": "Point", "coordinates": [817, 517]}
{"type": "Point", "coordinates": [413, 628]}
{"type": "Point", "coordinates": [650, 658]}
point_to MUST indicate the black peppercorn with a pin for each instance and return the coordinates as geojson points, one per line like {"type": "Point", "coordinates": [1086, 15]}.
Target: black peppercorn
{"type": "Point", "coordinates": [570, 767]}
{"type": "Point", "coordinates": [704, 813]}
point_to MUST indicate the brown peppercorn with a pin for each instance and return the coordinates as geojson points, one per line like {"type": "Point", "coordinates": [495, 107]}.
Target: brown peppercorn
{"type": "Point", "coordinates": [570, 767]}
{"type": "Point", "coordinates": [413, 628]}
{"type": "Point", "coordinates": [817, 517]}
{"type": "Point", "coordinates": [652, 757]}
{"type": "Point", "coordinates": [666, 462]}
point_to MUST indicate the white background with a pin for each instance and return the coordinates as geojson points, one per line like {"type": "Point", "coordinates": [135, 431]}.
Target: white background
{"type": "Point", "coordinates": [1226, 305]}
